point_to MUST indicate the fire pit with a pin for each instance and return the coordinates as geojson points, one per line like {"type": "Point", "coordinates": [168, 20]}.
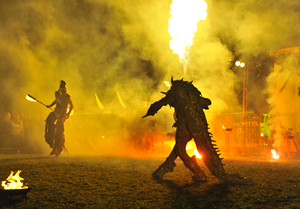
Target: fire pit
{"type": "Point", "coordinates": [7, 195]}
{"type": "Point", "coordinates": [13, 189]}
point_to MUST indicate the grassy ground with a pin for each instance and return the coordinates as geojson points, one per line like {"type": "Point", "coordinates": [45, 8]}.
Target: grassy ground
{"type": "Point", "coordinates": [115, 182]}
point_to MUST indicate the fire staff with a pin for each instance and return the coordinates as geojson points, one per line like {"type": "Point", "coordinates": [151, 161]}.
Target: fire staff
{"type": "Point", "coordinates": [54, 132]}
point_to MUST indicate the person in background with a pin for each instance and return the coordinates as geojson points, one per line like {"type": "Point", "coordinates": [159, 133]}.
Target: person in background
{"type": "Point", "coordinates": [54, 130]}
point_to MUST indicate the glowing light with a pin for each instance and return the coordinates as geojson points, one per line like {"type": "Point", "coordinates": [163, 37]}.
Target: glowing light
{"type": "Point", "coordinates": [261, 134]}
{"type": "Point", "coordinates": [185, 14]}
{"type": "Point", "coordinates": [30, 98]}
{"type": "Point", "coordinates": [167, 83]}
{"type": "Point", "coordinates": [274, 154]}
{"type": "Point", "coordinates": [197, 153]}
{"type": "Point", "coordinates": [72, 112]}
{"type": "Point", "coordinates": [239, 63]}
{"type": "Point", "coordinates": [14, 181]}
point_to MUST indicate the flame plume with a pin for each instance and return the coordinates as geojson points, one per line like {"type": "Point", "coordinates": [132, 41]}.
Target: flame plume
{"type": "Point", "coordinates": [185, 14]}
{"type": "Point", "coordinates": [14, 181]}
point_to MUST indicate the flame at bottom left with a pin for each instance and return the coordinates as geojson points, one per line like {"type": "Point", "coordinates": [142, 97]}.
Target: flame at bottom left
{"type": "Point", "coordinates": [14, 181]}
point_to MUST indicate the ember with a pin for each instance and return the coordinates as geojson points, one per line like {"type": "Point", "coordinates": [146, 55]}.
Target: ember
{"type": "Point", "coordinates": [14, 181]}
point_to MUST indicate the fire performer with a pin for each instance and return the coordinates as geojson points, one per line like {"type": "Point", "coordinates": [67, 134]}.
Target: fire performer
{"type": "Point", "coordinates": [54, 132]}
{"type": "Point", "coordinates": [191, 123]}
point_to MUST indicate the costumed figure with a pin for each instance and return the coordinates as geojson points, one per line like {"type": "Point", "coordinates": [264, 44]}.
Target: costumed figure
{"type": "Point", "coordinates": [191, 123]}
{"type": "Point", "coordinates": [54, 130]}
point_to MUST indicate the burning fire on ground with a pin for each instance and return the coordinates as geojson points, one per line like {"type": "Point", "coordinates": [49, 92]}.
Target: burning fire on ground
{"type": "Point", "coordinates": [14, 181]}
{"type": "Point", "coordinates": [274, 154]}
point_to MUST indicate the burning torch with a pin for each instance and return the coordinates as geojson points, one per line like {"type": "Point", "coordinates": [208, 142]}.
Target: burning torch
{"type": "Point", "coordinates": [32, 99]}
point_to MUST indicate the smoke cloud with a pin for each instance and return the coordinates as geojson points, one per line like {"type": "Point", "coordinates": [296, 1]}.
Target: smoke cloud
{"type": "Point", "coordinates": [120, 51]}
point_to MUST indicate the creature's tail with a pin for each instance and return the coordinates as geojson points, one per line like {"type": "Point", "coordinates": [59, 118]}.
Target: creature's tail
{"type": "Point", "coordinates": [212, 160]}
{"type": "Point", "coordinates": [210, 155]}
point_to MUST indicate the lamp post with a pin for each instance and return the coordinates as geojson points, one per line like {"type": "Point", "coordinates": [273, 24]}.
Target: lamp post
{"type": "Point", "coordinates": [245, 92]}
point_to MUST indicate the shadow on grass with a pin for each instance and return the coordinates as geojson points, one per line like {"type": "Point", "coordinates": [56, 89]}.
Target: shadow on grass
{"type": "Point", "coordinates": [189, 196]}
{"type": "Point", "coordinates": [6, 202]}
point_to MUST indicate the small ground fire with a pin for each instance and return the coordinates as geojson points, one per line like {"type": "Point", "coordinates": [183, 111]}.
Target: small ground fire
{"type": "Point", "coordinates": [13, 181]}
{"type": "Point", "coordinates": [274, 154]}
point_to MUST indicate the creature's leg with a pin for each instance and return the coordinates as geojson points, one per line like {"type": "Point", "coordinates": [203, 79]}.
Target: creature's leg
{"type": "Point", "coordinates": [167, 166]}
{"type": "Point", "coordinates": [209, 154]}
{"type": "Point", "coordinates": [50, 129]}
{"type": "Point", "coordinates": [60, 137]}
{"type": "Point", "coordinates": [182, 138]}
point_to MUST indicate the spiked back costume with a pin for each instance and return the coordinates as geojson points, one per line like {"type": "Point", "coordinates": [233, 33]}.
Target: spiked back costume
{"type": "Point", "coordinates": [54, 130]}
{"type": "Point", "coordinates": [191, 123]}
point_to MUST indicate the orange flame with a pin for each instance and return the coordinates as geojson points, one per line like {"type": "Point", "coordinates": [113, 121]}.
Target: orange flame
{"type": "Point", "coordinates": [185, 14]}
{"type": "Point", "coordinates": [197, 153]}
{"type": "Point", "coordinates": [274, 154]}
{"type": "Point", "coordinates": [14, 181]}
{"type": "Point", "coordinates": [192, 149]}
